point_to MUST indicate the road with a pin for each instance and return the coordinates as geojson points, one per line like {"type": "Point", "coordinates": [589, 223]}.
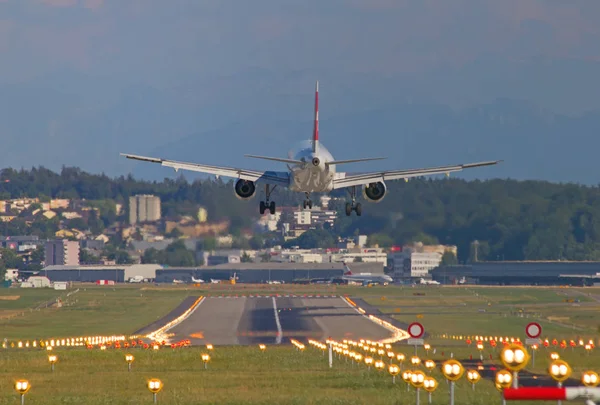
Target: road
{"type": "Point", "coordinates": [273, 320]}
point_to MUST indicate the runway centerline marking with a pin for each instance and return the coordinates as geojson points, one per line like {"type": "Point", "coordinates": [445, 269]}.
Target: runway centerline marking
{"type": "Point", "coordinates": [279, 331]}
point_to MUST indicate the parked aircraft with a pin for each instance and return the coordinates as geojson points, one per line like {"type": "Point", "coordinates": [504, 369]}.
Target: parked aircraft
{"type": "Point", "coordinates": [312, 169]}
{"type": "Point", "coordinates": [136, 279]}
{"type": "Point", "coordinates": [424, 281]}
{"type": "Point", "coordinates": [365, 278]}
{"type": "Point", "coordinates": [197, 280]}
{"type": "Point", "coordinates": [175, 281]}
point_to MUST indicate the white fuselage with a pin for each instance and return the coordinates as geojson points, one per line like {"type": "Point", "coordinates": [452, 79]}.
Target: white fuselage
{"type": "Point", "coordinates": [308, 177]}
{"type": "Point", "coordinates": [368, 277]}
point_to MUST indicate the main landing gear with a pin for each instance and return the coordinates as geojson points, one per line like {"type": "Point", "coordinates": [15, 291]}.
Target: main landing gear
{"type": "Point", "coordinates": [267, 205]}
{"type": "Point", "coordinates": [353, 206]}
{"type": "Point", "coordinates": [308, 201]}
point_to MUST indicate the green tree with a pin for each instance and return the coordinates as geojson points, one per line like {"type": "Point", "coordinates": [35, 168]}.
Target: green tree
{"type": "Point", "coordinates": [449, 258]}
{"type": "Point", "coordinates": [246, 258]}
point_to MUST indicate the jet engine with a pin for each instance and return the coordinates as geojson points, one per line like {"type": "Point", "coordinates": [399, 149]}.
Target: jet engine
{"type": "Point", "coordinates": [375, 191]}
{"type": "Point", "coordinates": [244, 189]}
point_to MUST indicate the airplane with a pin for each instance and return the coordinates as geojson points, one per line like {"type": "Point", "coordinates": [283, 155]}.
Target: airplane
{"type": "Point", "coordinates": [423, 281]}
{"type": "Point", "coordinates": [365, 277]}
{"type": "Point", "coordinates": [312, 170]}
{"type": "Point", "coordinates": [175, 281]}
{"type": "Point", "coordinates": [199, 280]}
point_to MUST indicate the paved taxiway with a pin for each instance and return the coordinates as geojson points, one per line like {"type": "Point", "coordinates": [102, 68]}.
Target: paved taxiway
{"type": "Point", "coordinates": [270, 320]}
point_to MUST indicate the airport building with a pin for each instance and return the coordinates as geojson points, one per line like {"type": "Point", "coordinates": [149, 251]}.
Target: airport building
{"type": "Point", "coordinates": [93, 273]}
{"type": "Point", "coordinates": [265, 272]}
{"type": "Point", "coordinates": [144, 208]}
{"type": "Point", "coordinates": [61, 252]}
{"type": "Point", "coordinates": [521, 273]}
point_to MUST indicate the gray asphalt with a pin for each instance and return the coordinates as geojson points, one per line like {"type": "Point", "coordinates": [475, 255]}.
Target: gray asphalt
{"type": "Point", "coordinates": [254, 320]}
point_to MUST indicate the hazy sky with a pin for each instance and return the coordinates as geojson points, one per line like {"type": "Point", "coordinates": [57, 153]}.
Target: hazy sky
{"type": "Point", "coordinates": [143, 73]}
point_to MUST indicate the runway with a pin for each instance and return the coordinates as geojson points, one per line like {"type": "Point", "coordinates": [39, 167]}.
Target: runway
{"type": "Point", "coordinates": [273, 320]}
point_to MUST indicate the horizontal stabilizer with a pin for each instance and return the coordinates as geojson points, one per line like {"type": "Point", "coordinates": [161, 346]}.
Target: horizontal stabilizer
{"type": "Point", "coordinates": [340, 162]}
{"type": "Point", "coordinates": [291, 161]}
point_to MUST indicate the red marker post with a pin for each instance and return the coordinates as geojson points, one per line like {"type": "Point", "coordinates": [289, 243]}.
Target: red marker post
{"type": "Point", "coordinates": [533, 331]}
{"type": "Point", "coordinates": [416, 331]}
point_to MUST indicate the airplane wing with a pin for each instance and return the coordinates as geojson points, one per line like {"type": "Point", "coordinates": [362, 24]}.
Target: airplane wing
{"type": "Point", "coordinates": [373, 177]}
{"type": "Point", "coordinates": [270, 177]}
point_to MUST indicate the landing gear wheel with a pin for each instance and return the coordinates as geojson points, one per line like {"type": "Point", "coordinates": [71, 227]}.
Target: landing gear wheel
{"type": "Point", "coordinates": [358, 209]}
{"type": "Point", "coordinates": [348, 209]}
{"type": "Point", "coordinates": [262, 207]}
{"type": "Point", "coordinates": [272, 207]}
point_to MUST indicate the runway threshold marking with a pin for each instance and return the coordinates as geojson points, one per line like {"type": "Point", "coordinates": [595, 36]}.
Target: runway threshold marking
{"type": "Point", "coordinates": [279, 331]}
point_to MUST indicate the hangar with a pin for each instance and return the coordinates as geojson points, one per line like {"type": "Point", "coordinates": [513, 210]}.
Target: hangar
{"type": "Point", "coordinates": [265, 272]}
{"type": "Point", "coordinates": [92, 273]}
{"type": "Point", "coordinates": [522, 273]}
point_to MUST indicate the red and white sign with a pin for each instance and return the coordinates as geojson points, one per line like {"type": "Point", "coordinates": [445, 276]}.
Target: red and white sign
{"type": "Point", "coordinates": [533, 330]}
{"type": "Point", "coordinates": [416, 330]}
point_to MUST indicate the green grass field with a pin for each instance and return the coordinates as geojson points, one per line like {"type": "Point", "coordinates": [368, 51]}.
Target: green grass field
{"type": "Point", "coordinates": [281, 375]}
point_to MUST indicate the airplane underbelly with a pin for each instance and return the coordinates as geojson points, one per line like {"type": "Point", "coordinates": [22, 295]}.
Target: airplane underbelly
{"type": "Point", "coordinates": [311, 181]}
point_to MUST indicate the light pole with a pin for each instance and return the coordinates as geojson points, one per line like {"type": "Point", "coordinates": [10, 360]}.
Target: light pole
{"type": "Point", "coordinates": [394, 370]}
{"type": "Point", "coordinates": [473, 377]}
{"type": "Point", "coordinates": [155, 385]}
{"type": "Point", "coordinates": [429, 365]}
{"type": "Point", "coordinates": [430, 385]}
{"type": "Point", "coordinates": [452, 370]}
{"type": "Point", "coordinates": [53, 358]}
{"type": "Point", "coordinates": [503, 380]}
{"type": "Point", "coordinates": [560, 371]}
{"type": "Point", "coordinates": [514, 358]}
{"type": "Point", "coordinates": [22, 387]}
{"type": "Point", "coordinates": [205, 359]}
{"type": "Point", "coordinates": [368, 362]}
{"type": "Point", "coordinates": [406, 376]}
{"type": "Point", "coordinates": [129, 359]}
{"type": "Point", "coordinates": [417, 380]}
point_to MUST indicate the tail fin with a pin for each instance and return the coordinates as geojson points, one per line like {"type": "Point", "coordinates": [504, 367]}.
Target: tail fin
{"type": "Point", "coordinates": [348, 272]}
{"type": "Point", "coordinates": [315, 146]}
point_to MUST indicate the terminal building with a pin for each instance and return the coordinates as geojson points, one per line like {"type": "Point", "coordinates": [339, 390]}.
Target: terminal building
{"type": "Point", "coordinates": [521, 273]}
{"type": "Point", "coordinates": [265, 272]}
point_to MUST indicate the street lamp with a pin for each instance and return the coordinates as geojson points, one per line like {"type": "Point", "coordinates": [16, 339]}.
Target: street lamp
{"type": "Point", "coordinates": [473, 377]}
{"type": "Point", "coordinates": [452, 370]}
{"type": "Point", "coordinates": [53, 358]}
{"type": "Point", "coordinates": [430, 385]}
{"type": "Point", "coordinates": [129, 359]}
{"type": "Point", "coordinates": [155, 385]}
{"type": "Point", "coordinates": [205, 358]}
{"type": "Point", "coordinates": [22, 387]}
{"type": "Point", "coordinates": [394, 370]}
{"type": "Point", "coordinates": [590, 379]}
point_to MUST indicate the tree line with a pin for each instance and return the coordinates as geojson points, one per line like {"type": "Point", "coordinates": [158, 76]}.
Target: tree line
{"type": "Point", "coordinates": [509, 219]}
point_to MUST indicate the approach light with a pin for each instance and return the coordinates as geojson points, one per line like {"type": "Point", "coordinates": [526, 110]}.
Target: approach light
{"type": "Point", "coordinates": [430, 384]}
{"type": "Point", "coordinates": [415, 360]}
{"type": "Point", "coordinates": [262, 347]}
{"type": "Point", "coordinates": [429, 365]}
{"type": "Point", "coordinates": [554, 356]}
{"type": "Point", "coordinates": [473, 377]}
{"type": "Point", "coordinates": [559, 370]}
{"type": "Point", "coordinates": [590, 379]}
{"type": "Point", "coordinates": [417, 378]}
{"type": "Point", "coordinates": [514, 357]}
{"type": "Point", "coordinates": [503, 379]}
{"type": "Point", "coordinates": [205, 358]}
{"type": "Point", "coordinates": [452, 370]}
